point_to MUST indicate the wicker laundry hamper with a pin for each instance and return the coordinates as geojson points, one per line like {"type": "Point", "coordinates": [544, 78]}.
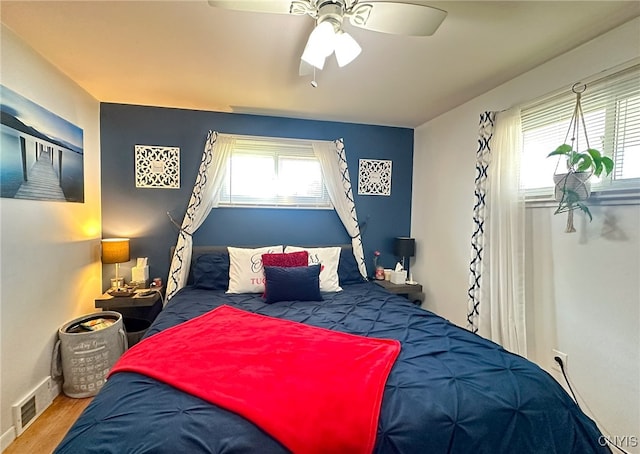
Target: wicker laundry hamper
{"type": "Point", "coordinates": [86, 356]}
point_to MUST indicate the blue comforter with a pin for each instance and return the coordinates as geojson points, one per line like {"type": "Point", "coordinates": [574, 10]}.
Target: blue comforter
{"type": "Point", "coordinates": [450, 391]}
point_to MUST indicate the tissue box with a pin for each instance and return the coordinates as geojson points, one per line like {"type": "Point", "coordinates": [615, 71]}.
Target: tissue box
{"type": "Point", "coordinates": [140, 273]}
{"type": "Point", "coordinates": [398, 277]}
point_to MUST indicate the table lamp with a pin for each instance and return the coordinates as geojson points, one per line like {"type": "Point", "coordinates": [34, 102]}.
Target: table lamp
{"type": "Point", "coordinates": [115, 250]}
{"type": "Point", "coordinates": [405, 247]}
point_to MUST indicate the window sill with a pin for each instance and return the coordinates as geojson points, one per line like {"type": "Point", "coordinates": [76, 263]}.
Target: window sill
{"type": "Point", "coordinates": [597, 198]}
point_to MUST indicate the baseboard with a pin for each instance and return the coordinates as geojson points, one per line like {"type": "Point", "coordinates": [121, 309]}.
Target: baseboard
{"type": "Point", "coordinates": [7, 438]}
{"type": "Point", "coordinates": [56, 389]}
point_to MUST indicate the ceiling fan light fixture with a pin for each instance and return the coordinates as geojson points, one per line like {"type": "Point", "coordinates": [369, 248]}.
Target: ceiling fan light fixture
{"type": "Point", "coordinates": [325, 38]}
{"type": "Point", "coordinates": [320, 45]}
{"type": "Point", "coordinates": [346, 48]}
{"type": "Point", "coordinates": [314, 59]}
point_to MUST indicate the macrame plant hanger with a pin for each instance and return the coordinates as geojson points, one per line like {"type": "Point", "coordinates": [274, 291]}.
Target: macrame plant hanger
{"type": "Point", "coordinates": [581, 185]}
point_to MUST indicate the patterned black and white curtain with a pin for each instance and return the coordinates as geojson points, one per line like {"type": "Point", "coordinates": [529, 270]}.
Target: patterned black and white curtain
{"type": "Point", "coordinates": [496, 272]}
{"type": "Point", "coordinates": [485, 134]}
{"type": "Point", "coordinates": [333, 160]}
{"type": "Point", "coordinates": [204, 197]}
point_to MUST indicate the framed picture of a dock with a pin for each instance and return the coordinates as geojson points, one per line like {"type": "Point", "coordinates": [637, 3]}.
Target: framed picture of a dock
{"type": "Point", "coordinates": [41, 154]}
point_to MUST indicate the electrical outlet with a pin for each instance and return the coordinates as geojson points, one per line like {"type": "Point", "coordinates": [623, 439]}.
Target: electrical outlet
{"type": "Point", "coordinates": [563, 356]}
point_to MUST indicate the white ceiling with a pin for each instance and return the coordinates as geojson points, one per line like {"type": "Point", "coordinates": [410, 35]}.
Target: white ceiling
{"type": "Point", "coordinates": [187, 54]}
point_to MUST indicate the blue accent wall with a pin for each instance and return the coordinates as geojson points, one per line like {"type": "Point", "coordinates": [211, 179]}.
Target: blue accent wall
{"type": "Point", "coordinates": [141, 213]}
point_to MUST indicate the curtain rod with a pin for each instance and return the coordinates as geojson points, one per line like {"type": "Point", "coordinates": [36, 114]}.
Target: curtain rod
{"type": "Point", "coordinates": [270, 138]}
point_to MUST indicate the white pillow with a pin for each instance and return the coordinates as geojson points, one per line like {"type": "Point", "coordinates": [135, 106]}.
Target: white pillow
{"type": "Point", "coordinates": [328, 258]}
{"type": "Point", "coordinates": [246, 273]}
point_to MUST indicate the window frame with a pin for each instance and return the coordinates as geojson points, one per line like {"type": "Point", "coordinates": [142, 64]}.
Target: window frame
{"type": "Point", "coordinates": [276, 148]}
{"type": "Point", "coordinates": [608, 190]}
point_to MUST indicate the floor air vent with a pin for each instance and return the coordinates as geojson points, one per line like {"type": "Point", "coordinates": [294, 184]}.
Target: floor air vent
{"type": "Point", "coordinates": [28, 411]}
{"type": "Point", "coordinates": [29, 408]}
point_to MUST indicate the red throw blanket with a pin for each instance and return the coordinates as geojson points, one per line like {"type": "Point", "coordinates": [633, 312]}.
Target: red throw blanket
{"type": "Point", "coordinates": [313, 389]}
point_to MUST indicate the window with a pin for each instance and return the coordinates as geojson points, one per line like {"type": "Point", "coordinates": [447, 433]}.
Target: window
{"type": "Point", "coordinates": [611, 108]}
{"type": "Point", "coordinates": [269, 172]}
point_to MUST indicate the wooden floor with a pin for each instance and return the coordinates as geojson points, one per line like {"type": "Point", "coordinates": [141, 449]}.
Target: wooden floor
{"type": "Point", "coordinates": [49, 429]}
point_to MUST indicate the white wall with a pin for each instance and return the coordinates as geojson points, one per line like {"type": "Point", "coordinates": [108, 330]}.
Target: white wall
{"type": "Point", "coordinates": [50, 251]}
{"type": "Point", "coordinates": [595, 322]}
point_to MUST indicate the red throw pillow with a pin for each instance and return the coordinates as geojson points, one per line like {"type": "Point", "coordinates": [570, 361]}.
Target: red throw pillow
{"type": "Point", "coordinates": [285, 260]}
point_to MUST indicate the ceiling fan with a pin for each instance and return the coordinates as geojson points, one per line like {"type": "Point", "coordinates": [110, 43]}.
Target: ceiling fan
{"type": "Point", "coordinates": [328, 37]}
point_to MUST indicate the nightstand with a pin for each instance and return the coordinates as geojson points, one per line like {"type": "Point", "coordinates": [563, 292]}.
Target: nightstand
{"type": "Point", "coordinates": [413, 292]}
{"type": "Point", "coordinates": [138, 311]}
{"type": "Point", "coordinates": [137, 306]}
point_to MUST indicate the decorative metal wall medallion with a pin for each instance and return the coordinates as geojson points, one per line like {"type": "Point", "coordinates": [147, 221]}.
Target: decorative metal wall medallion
{"type": "Point", "coordinates": [374, 177]}
{"type": "Point", "coordinates": [157, 167]}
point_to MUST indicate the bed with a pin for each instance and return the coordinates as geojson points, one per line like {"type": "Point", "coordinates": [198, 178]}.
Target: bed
{"type": "Point", "coordinates": [447, 390]}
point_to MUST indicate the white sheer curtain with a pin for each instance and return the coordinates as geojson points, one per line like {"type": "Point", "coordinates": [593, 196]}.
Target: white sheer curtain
{"type": "Point", "coordinates": [204, 197]}
{"type": "Point", "coordinates": [502, 313]}
{"type": "Point", "coordinates": [333, 160]}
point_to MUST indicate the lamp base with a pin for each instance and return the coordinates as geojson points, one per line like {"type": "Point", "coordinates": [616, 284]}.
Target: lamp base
{"type": "Point", "coordinates": [117, 282]}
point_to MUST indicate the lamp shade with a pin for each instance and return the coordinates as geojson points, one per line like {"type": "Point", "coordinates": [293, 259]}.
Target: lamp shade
{"type": "Point", "coordinates": [326, 39]}
{"type": "Point", "coordinates": [347, 49]}
{"type": "Point", "coordinates": [320, 44]}
{"type": "Point", "coordinates": [404, 246]}
{"type": "Point", "coordinates": [115, 250]}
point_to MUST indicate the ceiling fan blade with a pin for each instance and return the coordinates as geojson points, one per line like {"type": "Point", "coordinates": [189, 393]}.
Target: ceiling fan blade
{"type": "Point", "coordinates": [264, 6]}
{"type": "Point", "coordinates": [398, 18]}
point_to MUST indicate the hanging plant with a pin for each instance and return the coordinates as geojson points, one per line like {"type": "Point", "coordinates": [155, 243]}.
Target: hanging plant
{"type": "Point", "coordinates": [572, 188]}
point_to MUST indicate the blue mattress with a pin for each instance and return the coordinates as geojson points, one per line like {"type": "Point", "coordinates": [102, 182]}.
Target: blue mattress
{"type": "Point", "coordinates": [450, 391]}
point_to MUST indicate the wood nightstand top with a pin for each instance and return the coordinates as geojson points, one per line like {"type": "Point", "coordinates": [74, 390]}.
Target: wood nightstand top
{"type": "Point", "coordinates": [106, 301]}
{"type": "Point", "coordinates": [401, 289]}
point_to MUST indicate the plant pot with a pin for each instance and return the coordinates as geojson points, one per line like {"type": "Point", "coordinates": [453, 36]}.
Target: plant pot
{"type": "Point", "coordinates": [577, 182]}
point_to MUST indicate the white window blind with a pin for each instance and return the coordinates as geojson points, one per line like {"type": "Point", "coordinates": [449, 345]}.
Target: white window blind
{"type": "Point", "coordinates": [273, 172]}
{"type": "Point", "coordinates": [611, 108]}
